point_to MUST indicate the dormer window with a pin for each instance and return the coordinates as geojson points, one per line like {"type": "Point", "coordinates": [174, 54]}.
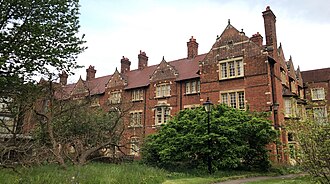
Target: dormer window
{"type": "Point", "coordinates": [163, 90]}
{"type": "Point", "coordinates": [137, 95]}
{"type": "Point", "coordinates": [193, 87]}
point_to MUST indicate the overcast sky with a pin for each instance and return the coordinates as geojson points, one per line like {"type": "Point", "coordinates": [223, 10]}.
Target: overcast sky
{"type": "Point", "coordinates": [119, 28]}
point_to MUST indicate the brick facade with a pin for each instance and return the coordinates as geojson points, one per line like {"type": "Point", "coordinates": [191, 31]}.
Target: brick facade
{"type": "Point", "coordinates": [238, 70]}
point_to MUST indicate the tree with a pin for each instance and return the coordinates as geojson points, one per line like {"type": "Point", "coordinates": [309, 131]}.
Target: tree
{"type": "Point", "coordinates": [74, 129]}
{"type": "Point", "coordinates": [37, 37]}
{"type": "Point", "coordinates": [313, 139]}
{"type": "Point", "coordinates": [238, 140]}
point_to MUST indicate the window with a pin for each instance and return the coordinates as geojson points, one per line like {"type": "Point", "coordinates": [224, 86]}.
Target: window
{"type": "Point", "coordinates": [231, 68]}
{"type": "Point", "coordinates": [162, 114]}
{"type": "Point", "coordinates": [318, 94]}
{"type": "Point", "coordinates": [193, 87]}
{"type": "Point", "coordinates": [115, 97]}
{"type": "Point", "coordinates": [137, 95]}
{"type": "Point", "coordinates": [136, 119]}
{"type": "Point", "coordinates": [301, 93]}
{"type": "Point", "coordinates": [235, 99]}
{"type": "Point", "coordinates": [320, 114]}
{"type": "Point", "coordinates": [288, 107]}
{"type": "Point", "coordinates": [134, 146]}
{"type": "Point", "coordinates": [95, 102]}
{"type": "Point", "coordinates": [163, 90]}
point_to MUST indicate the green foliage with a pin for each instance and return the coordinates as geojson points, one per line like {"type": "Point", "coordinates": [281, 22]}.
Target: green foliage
{"type": "Point", "coordinates": [238, 140]}
{"type": "Point", "coordinates": [91, 173]}
{"type": "Point", "coordinates": [130, 173]}
{"type": "Point", "coordinates": [314, 147]}
{"type": "Point", "coordinates": [38, 34]}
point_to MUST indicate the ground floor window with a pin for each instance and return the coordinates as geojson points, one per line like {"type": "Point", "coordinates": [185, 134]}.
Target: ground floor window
{"type": "Point", "coordinates": [134, 146]}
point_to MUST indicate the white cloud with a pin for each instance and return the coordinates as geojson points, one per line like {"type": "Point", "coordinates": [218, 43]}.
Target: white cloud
{"type": "Point", "coordinates": [162, 28]}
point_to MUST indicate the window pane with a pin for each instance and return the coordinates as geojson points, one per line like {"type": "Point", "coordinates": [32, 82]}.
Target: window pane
{"type": "Point", "coordinates": [159, 115]}
{"type": "Point", "coordinates": [187, 87]}
{"type": "Point", "coordinates": [239, 68]}
{"type": "Point", "coordinates": [232, 99]}
{"type": "Point", "coordinates": [198, 86]}
{"type": "Point", "coordinates": [223, 70]}
{"type": "Point", "coordinates": [224, 98]}
{"type": "Point", "coordinates": [231, 69]}
{"type": "Point", "coordinates": [241, 100]}
{"type": "Point", "coordinates": [166, 114]}
{"type": "Point", "coordinates": [193, 87]}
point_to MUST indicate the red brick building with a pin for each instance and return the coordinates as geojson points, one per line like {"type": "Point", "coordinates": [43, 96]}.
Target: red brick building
{"type": "Point", "coordinates": [240, 71]}
{"type": "Point", "coordinates": [317, 90]}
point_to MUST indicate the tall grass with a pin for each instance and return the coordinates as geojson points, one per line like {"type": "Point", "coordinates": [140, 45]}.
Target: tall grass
{"type": "Point", "coordinates": [92, 173]}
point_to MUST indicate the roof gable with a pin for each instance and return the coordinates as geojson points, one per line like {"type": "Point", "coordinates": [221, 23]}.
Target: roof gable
{"type": "Point", "coordinates": [290, 67]}
{"type": "Point", "coordinates": [80, 88]}
{"type": "Point", "coordinates": [232, 43]}
{"type": "Point", "coordinates": [117, 79]}
{"type": "Point", "coordinates": [299, 77]}
{"type": "Point", "coordinates": [164, 71]}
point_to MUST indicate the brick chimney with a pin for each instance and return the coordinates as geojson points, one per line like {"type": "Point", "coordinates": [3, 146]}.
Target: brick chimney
{"type": "Point", "coordinates": [143, 60]}
{"type": "Point", "coordinates": [125, 65]}
{"type": "Point", "coordinates": [257, 39]}
{"type": "Point", "coordinates": [63, 78]}
{"type": "Point", "coordinates": [90, 73]}
{"type": "Point", "coordinates": [192, 48]}
{"type": "Point", "coordinates": [270, 29]}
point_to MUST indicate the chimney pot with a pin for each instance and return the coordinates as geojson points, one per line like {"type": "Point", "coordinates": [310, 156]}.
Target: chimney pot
{"type": "Point", "coordinates": [125, 65]}
{"type": "Point", "coordinates": [63, 78]}
{"type": "Point", "coordinates": [192, 46]}
{"type": "Point", "coordinates": [143, 60]}
{"type": "Point", "coordinates": [90, 73]}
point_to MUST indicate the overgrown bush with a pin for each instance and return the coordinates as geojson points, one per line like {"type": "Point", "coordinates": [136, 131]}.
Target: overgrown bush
{"type": "Point", "coordinates": [238, 140]}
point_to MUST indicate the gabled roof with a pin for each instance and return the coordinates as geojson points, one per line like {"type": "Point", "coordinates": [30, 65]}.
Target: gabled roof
{"type": "Point", "coordinates": [95, 86]}
{"type": "Point", "coordinates": [318, 75]}
{"type": "Point", "coordinates": [186, 68]}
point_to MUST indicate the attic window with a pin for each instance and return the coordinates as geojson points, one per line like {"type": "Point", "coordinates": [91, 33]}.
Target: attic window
{"type": "Point", "coordinates": [230, 43]}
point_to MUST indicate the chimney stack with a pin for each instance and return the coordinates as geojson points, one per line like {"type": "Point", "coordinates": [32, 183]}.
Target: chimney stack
{"type": "Point", "coordinates": [90, 73]}
{"type": "Point", "coordinates": [63, 78]}
{"type": "Point", "coordinates": [270, 30]}
{"type": "Point", "coordinates": [257, 39]}
{"type": "Point", "coordinates": [143, 60]}
{"type": "Point", "coordinates": [125, 65]}
{"type": "Point", "coordinates": [192, 48]}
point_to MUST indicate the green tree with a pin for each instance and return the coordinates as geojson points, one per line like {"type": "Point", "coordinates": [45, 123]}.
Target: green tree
{"type": "Point", "coordinates": [313, 139]}
{"type": "Point", "coordinates": [238, 139]}
{"type": "Point", "coordinates": [38, 37]}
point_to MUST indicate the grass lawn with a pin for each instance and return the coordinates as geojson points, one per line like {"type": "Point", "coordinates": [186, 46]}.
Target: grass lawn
{"type": "Point", "coordinates": [130, 173]}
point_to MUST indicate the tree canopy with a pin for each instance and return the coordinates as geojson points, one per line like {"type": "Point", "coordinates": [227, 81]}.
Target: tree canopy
{"type": "Point", "coordinates": [238, 140]}
{"type": "Point", "coordinates": [37, 37]}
